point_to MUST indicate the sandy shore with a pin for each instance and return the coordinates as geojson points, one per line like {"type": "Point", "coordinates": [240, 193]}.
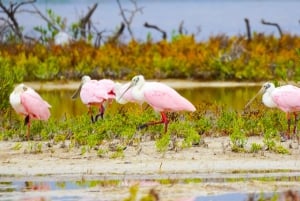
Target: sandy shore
{"type": "Point", "coordinates": [143, 162]}
{"type": "Point", "coordinates": [215, 156]}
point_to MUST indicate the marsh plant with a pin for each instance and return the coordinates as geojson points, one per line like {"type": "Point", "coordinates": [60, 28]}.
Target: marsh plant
{"type": "Point", "coordinates": [182, 57]}
{"type": "Point", "coordinates": [134, 191]}
{"type": "Point", "coordinates": [238, 137]}
{"type": "Point", "coordinates": [120, 129]}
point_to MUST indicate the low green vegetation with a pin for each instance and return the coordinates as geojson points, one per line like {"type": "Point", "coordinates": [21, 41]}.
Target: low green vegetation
{"type": "Point", "coordinates": [185, 130]}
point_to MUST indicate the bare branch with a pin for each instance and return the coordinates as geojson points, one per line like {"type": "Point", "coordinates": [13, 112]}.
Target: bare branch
{"type": "Point", "coordinates": [98, 38]}
{"type": "Point", "coordinates": [117, 35]}
{"type": "Point", "coordinates": [5, 10]}
{"type": "Point", "coordinates": [273, 24]}
{"type": "Point", "coordinates": [198, 30]}
{"type": "Point", "coordinates": [181, 29]}
{"type": "Point", "coordinates": [23, 3]}
{"type": "Point", "coordinates": [37, 11]}
{"type": "Point", "coordinates": [128, 20]}
{"type": "Point", "coordinates": [85, 21]}
{"type": "Point", "coordinates": [248, 29]}
{"type": "Point", "coordinates": [164, 34]}
{"type": "Point", "coordinates": [99, 35]}
{"type": "Point", "coordinates": [6, 21]}
{"type": "Point", "coordinates": [11, 11]}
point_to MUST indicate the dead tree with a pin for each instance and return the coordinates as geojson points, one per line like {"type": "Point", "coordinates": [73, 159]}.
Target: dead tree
{"type": "Point", "coordinates": [99, 36]}
{"type": "Point", "coordinates": [164, 34]}
{"type": "Point", "coordinates": [98, 39]}
{"type": "Point", "coordinates": [129, 19]}
{"type": "Point", "coordinates": [249, 37]}
{"type": "Point", "coordinates": [273, 24]}
{"type": "Point", "coordinates": [49, 22]}
{"type": "Point", "coordinates": [85, 21]}
{"type": "Point", "coordinates": [10, 11]}
{"type": "Point", "coordinates": [117, 35]}
{"type": "Point", "coordinates": [181, 29]}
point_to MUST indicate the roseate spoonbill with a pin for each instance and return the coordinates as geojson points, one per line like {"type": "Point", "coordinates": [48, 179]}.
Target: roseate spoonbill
{"type": "Point", "coordinates": [285, 98]}
{"type": "Point", "coordinates": [95, 93]}
{"type": "Point", "coordinates": [29, 103]}
{"type": "Point", "coordinates": [160, 97]}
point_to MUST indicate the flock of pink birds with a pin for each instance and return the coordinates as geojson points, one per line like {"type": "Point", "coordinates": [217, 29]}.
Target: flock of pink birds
{"type": "Point", "coordinates": [162, 98]}
{"type": "Point", "coordinates": [96, 93]}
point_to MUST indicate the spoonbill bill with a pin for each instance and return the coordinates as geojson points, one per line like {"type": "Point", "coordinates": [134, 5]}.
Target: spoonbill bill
{"type": "Point", "coordinates": [95, 93]}
{"type": "Point", "coordinates": [160, 97]}
{"type": "Point", "coordinates": [286, 98]}
{"type": "Point", "coordinates": [123, 98]}
{"type": "Point", "coordinates": [27, 102]}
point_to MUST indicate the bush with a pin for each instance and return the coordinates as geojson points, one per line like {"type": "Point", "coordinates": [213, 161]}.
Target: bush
{"type": "Point", "coordinates": [219, 58]}
{"type": "Point", "coordinates": [9, 76]}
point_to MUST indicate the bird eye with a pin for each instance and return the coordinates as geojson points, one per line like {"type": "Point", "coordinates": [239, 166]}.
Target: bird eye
{"type": "Point", "coordinates": [267, 86]}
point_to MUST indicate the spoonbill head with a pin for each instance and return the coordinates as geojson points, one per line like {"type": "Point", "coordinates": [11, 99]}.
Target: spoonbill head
{"type": "Point", "coordinates": [266, 90]}
{"type": "Point", "coordinates": [27, 102]}
{"type": "Point", "coordinates": [85, 79]}
{"type": "Point", "coordinates": [286, 98]}
{"type": "Point", "coordinates": [160, 97]}
{"type": "Point", "coordinates": [95, 93]}
{"type": "Point", "coordinates": [123, 97]}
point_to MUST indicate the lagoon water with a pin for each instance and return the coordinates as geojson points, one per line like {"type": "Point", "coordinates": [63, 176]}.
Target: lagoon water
{"type": "Point", "coordinates": [229, 97]}
{"type": "Point", "coordinates": [204, 18]}
{"type": "Point", "coordinates": [94, 190]}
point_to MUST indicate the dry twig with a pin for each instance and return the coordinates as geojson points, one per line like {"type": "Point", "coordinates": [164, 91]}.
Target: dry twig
{"type": "Point", "coordinates": [11, 10]}
{"type": "Point", "coordinates": [128, 20]}
{"type": "Point", "coordinates": [273, 24]}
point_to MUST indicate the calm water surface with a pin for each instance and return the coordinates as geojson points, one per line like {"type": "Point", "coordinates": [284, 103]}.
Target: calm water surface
{"type": "Point", "coordinates": [230, 97]}
{"type": "Point", "coordinates": [96, 190]}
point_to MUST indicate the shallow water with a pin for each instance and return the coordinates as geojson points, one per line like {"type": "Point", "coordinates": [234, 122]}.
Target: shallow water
{"type": "Point", "coordinates": [230, 97]}
{"type": "Point", "coordinates": [69, 189]}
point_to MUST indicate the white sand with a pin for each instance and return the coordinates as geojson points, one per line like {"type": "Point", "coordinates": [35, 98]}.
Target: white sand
{"type": "Point", "coordinates": [214, 161]}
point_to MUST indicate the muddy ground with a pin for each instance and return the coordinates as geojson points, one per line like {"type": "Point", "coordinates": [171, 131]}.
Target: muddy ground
{"type": "Point", "coordinates": [213, 162]}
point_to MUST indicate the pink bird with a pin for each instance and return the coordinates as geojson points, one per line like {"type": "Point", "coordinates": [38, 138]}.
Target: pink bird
{"type": "Point", "coordinates": [95, 93]}
{"type": "Point", "coordinates": [160, 97]}
{"type": "Point", "coordinates": [285, 98]}
{"type": "Point", "coordinates": [29, 103]}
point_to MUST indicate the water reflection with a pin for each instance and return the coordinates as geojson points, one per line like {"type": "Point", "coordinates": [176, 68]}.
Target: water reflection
{"type": "Point", "coordinates": [62, 104]}
{"type": "Point", "coordinates": [231, 97]}
{"type": "Point", "coordinates": [94, 189]}
{"type": "Point", "coordinates": [233, 197]}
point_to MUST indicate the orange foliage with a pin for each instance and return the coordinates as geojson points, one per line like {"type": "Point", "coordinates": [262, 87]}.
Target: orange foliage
{"type": "Point", "coordinates": [219, 58]}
